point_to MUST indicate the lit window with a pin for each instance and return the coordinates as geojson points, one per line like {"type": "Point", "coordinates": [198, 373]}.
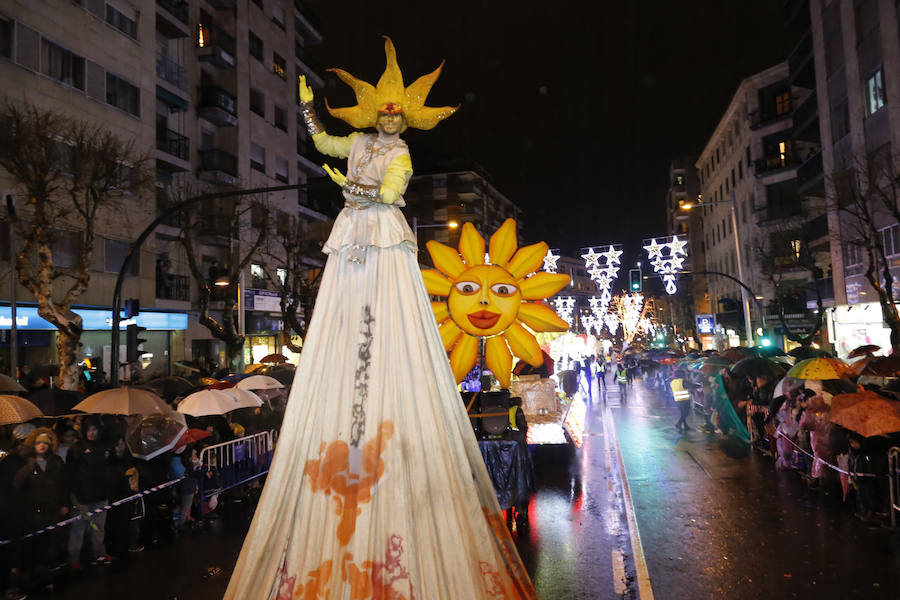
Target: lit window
{"type": "Point", "coordinates": [281, 273]}
{"type": "Point", "coordinates": [279, 66]}
{"type": "Point", "coordinates": [875, 92]}
{"type": "Point", "coordinates": [783, 103]}
{"type": "Point", "coordinates": [257, 271]}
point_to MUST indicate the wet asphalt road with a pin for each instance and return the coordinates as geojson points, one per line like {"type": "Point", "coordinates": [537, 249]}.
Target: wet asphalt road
{"type": "Point", "coordinates": [714, 520]}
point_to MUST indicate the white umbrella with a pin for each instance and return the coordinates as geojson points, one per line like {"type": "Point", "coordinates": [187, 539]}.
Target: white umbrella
{"type": "Point", "coordinates": [259, 382]}
{"type": "Point", "coordinates": [245, 398]}
{"type": "Point", "coordinates": [17, 410]}
{"type": "Point", "coordinates": [123, 401]}
{"type": "Point", "coordinates": [214, 402]}
{"type": "Point", "coordinates": [8, 384]}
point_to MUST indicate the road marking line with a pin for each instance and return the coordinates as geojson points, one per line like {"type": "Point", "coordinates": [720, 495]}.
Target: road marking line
{"type": "Point", "coordinates": [620, 584]}
{"type": "Point", "coordinates": [645, 590]}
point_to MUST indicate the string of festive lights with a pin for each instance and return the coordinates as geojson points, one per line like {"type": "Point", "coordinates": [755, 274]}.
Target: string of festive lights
{"type": "Point", "coordinates": [550, 260]}
{"type": "Point", "coordinates": [667, 260]}
{"type": "Point", "coordinates": [603, 273]}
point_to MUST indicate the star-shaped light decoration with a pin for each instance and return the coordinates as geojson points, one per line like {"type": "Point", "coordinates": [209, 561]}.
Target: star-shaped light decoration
{"type": "Point", "coordinates": [667, 260]}
{"type": "Point", "coordinates": [550, 261]}
{"type": "Point", "coordinates": [612, 256]}
{"type": "Point", "coordinates": [591, 259]}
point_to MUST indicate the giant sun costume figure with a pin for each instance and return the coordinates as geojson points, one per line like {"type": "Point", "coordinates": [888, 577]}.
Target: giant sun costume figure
{"type": "Point", "coordinates": [377, 488]}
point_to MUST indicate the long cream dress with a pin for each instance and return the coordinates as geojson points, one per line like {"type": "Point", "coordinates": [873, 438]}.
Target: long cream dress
{"type": "Point", "coordinates": [377, 488]}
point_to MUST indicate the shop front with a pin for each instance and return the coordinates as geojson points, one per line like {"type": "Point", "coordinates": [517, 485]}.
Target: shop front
{"type": "Point", "coordinates": [37, 337]}
{"type": "Point", "coordinates": [856, 325]}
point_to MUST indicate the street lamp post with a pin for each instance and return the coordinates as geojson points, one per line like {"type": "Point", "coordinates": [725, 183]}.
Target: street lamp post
{"type": "Point", "coordinates": [416, 227]}
{"type": "Point", "coordinates": [745, 300]}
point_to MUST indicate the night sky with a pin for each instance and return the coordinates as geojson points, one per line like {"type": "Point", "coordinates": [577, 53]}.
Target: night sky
{"type": "Point", "coordinates": [574, 108]}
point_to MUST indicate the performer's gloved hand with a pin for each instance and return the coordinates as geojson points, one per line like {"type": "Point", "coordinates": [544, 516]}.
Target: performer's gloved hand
{"type": "Point", "coordinates": [336, 176]}
{"type": "Point", "coordinates": [306, 93]}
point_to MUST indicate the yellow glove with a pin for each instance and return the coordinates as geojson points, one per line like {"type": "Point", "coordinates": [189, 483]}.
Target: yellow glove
{"type": "Point", "coordinates": [336, 176]}
{"type": "Point", "coordinates": [306, 93]}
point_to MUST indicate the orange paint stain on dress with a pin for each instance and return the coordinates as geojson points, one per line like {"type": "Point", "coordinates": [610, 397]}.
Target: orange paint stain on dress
{"type": "Point", "coordinates": [331, 473]}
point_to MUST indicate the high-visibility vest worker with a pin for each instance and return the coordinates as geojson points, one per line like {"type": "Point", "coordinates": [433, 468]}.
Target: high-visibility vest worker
{"type": "Point", "coordinates": [621, 376]}
{"type": "Point", "coordinates": [678, 392]}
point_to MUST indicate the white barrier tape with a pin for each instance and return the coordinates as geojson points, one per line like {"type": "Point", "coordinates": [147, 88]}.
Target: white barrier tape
{"type": "Point", "coordinates": [824, 462]}
{"type": "Point", "coordinates": [96, 511]}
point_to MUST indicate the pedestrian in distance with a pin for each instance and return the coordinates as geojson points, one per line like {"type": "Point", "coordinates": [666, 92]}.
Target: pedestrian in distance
{"type": "Point", "coordinates": [622, 380]}
{"type": "Point", "coordinates": [682, 396]}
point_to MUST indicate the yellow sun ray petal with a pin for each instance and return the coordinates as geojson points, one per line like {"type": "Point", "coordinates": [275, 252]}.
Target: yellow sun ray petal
{"type": "Point", "coordinates": [498, 359]}
{"type": "Point", "coordinates": [471, 245]}
{"type": "Point", "coordinates": [527, 260]}
{"type": "Point", "coordinates": [363, 114]}
{"type": "Point", "coordinates": [427, 117]}
{"type": "Point", "coordinates": [543, 285]}
{"type": "Point", "coordinates": [541, 317]}
{"type": "Point", "coordinates": [504, 243]}
{"type": "Point", "coordinates": [391, 82]}
{"type": "Point", "coordinates": [523, 345]}
{"type": "Point", "coordinates": [436, 283]}
{"type": "Point", "coordinates": [418, 89]}
{"type": "Point", "coordinates": [450, 333]}
{"type": "Point", "coordinates": [463, 357]}
{"type": "Point", "coordinates": [445, 259]}
{"type": "Point", "coordinates": [441, 311]}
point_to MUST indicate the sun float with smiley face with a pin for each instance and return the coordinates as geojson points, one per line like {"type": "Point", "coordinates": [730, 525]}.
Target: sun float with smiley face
{"type": "Point", "coordinates": [495, 297]}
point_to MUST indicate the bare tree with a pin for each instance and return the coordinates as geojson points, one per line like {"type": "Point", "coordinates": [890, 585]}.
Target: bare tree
{"type": "Point", "coordinates": [70, 172]}
{"type": "Point", "coordinates": [867, 194]}
{"type": "Point", "coordinates": [224, 221]}
{"type": "Point", "coordinates": [783, 254]}
{"type": "Point", "coordinates": [301, 258]}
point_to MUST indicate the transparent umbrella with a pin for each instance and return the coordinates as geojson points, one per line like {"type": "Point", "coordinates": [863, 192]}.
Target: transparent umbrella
{"type": "Point", "coordinates": [150, 436]}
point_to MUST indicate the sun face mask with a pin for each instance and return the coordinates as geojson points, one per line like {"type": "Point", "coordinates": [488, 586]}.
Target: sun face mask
{"type": "Point", "coordinates": [488, 297]}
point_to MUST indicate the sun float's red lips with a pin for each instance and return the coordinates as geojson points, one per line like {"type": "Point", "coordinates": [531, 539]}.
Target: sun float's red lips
{"type": "Point", "coordinates": [483, 319]}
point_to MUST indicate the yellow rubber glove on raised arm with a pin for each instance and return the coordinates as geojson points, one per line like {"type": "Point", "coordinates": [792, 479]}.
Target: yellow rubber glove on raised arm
{"type": "Point", "coordinates": [336, 176]}
{"type": "Point", "coordinates": [306, 93]}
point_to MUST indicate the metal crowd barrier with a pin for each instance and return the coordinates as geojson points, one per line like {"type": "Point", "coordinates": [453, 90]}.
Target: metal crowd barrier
{"type": "Point", "coordinates": [230, 464]}
{"type": "Point", "coordinates": [894, 482]}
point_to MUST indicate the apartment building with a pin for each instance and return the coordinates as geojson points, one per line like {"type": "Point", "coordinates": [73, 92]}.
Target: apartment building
{"type": "Point", "coordinates": [856, 53]}
{"type": "Point", "coordinates": [684, 218]}
{"type": "Point", "coordinates": [208, 89]}
{"type": "Point", "coordinates": [751, 211]}
{"type": "Point", "coordinates": [437, 200]}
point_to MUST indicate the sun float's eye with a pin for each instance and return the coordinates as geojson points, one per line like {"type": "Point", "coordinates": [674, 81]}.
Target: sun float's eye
{"type": "Point", "coordinates": [467, 287]}
{"type": "Point", "coordinates": [504, 289]}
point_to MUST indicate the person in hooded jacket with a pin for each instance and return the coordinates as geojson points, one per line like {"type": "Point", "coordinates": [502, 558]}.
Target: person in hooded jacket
{"type": "Point", "coordinates": [41, 487]}
{"type": "Point", "coordinates": [86, 467]}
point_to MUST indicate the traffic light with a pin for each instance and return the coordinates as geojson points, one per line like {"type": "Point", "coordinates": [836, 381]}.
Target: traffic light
{"type": "Point", "coordinates": [765, 339]}
{"type": "Point", "coordinates": [132, 341]}
{"type": "Point", "coordinates": [132, 308]}
{"type": "Point", "coordinates": [635, 278]}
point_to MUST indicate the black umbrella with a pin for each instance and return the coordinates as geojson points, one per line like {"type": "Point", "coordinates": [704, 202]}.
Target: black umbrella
{"type": "Point", "coordinates": [54, 401]}
{"type": "Point", "coordinates": [756, 366]}
{"type": "Point", "coordinates": [768, 351]}
{"type": "Point", "coordinates": [804, 352]}
{"type": "Point", "coordinates": [170, 387]}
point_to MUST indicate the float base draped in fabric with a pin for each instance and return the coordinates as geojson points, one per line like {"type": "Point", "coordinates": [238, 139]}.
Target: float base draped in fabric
{"type": "Point", "coordinates": [377, 488]}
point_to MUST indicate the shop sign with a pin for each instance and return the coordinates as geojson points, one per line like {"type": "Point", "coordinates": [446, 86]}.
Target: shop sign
{"type": "Point", "coordinates": [262, 300]}
{"type": "Point", "coordinates": [706, 324]}
{"type": "Point", "coordinates": [93, 319]}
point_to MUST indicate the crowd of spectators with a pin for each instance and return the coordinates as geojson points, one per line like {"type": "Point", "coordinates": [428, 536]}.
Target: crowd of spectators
{"type": "Point", "coordinates": [74, 465]}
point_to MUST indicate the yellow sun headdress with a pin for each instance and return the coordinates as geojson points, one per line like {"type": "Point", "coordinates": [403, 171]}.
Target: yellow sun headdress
{"type": "Point", "coordinates": [390, 90]}
{"type": "Point", "coordinates": [489, 299]}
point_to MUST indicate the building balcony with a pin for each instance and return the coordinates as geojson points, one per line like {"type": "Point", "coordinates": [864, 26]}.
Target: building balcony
{"type": "Point", "coordinates": [306, 65]}
{"type": "Point", "coordinates": [215, 46]}
{"type": "Point", "coordinates": [759, 119]}
{"type": "Point", "coordinates": [806, 120]}
{"type": "Point", "coordinates": [217, 106]}
{"type": "Point", "coordinates": [306, 23]}
{"type": "Point", "coordinates": [163, 203]}
{"type": "Point", "coordinates": [173, 149]}
{"type": "Point", "coordinates": [801, 65]}
{"type": "Point", "coordinates": [771, 165]}
{"type": "Point", "coordinates": [172, 18]}
{"type": "Point", "coordinates": [222, 4]}
{"type": "Point", "coordinates": [172, 72]}
{"type": "Point", "coordinates": [777, 212]}
{"type": "Point", "coordinates": [218, 166]}
{"type": "Point", "coordinates": [173, 287]}
{"type": "Point", "coordinates": [811, 177]}
{"type": "Point", "coordinates": [815, 229]}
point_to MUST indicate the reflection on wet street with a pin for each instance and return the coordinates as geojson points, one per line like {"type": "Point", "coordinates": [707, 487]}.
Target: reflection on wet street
{"type": "Point", "coordinates": [697, 517]}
